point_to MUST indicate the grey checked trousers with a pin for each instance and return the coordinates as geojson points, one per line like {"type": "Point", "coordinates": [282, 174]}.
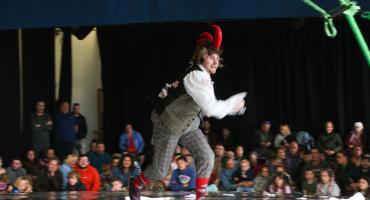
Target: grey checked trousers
{"type": "Point", "coordinates": [165, 143]}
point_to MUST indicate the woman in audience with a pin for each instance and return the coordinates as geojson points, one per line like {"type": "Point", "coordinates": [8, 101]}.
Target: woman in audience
{"type": "Point", "coordinates": [357, 137]}
{"type": "Point", "coordinates": [74, 182]}
{"type": "Point", "coordinates": [363, 186]}
{"type": "Point", "coordinates": [69, 163]}
{"type": "Point", "coordinates": [32, 164]}
{"type": "Point", "coordinates": [21, 185]}
{"type": "Point", "coordinates": [327, 185]}
{"type": "Point", "coordinates": [329, 141]}
{"type": "Point", "coordinates": [262, 181]}
{"type": "Point", "coordinates": [227, 172]}
{"type": "Point", "coordinates": [125, 170]}
{"type": "Point", "coordinates": [279, 186]}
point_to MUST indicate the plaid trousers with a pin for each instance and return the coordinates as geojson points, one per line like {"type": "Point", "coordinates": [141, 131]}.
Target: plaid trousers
{"type": "Point", "coordinates": [165, 143]}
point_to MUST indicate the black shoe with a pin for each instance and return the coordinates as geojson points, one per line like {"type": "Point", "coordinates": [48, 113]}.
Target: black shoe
{"type": "Point", "coordinates": [133, 192]}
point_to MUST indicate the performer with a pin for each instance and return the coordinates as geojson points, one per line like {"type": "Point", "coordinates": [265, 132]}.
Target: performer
{"type": "Point", "coordinates": [177, 116]}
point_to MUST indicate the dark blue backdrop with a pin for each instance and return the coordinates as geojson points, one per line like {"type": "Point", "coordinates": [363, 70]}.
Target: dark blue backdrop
{"type": "Point", "coordinates": [46, 13]}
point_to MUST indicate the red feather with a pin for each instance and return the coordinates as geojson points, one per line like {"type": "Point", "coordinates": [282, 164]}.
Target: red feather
{"type": "Point", "coordinates": [217, 36]}
{"type": "Point", "coordinates": [204, 38]}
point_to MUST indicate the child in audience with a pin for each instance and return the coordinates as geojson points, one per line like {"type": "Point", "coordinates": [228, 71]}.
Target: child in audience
{"type": "Point", "coordinates": [117, 186]}
{"type": "Point", "coordinates": [21, 185]}
{"type": "Point", "coordinates": [261, 182]}
{"type": "Point", "coordinates": [327, 185]}
{"type": "Point", "coordinates": [363, 186]}
{"type": "Point", "coordinates": [310, 183]}
{"type": "Point", "coordinates": [243, 177]}
{"type": "Point", "coordinates": [106, 177]}
{"type": "Point", "coordinates": [74, 183]}
{"type": "Point", "coordinates": [280, 186]}
{"type": "Point", "coordinates": [183, 178]}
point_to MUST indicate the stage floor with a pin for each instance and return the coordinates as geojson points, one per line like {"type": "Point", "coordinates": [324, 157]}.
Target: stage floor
{"type": "Point", "coordinates": [145, 195]}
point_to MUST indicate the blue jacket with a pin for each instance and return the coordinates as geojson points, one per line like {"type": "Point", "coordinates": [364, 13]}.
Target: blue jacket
{"type": "Point", "coordinates": [176, 185]}
{"type": "Point", "coordinates": [227, 181]}
{"type": "Point", "coordinates": [123, 176]}
{"type": "Point", "coordinates": [64, 127]}
{"type": "Point", "coordinates": [98, 160]}
{"type": "Point", "coordinates": [138, 141]}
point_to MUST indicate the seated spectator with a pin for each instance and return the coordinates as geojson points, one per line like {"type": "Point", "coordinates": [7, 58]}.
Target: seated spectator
{"type": "Point", "coordinates": [2, 170]}
{"type": "Point", "coordinates": [357, 137]}
{"type": "Point", "coordinates": [356, 155]}
{"type": "Point", "coordinates": [300, 169]}
{"type": "Point", "coordinates": [131, 141]}
{"type": "Point", "coordinates": [32, 164]}
{"type": "Point", "coordinates": [345, 172]}
{"type": "Point", "coordinates": [88, 174]}
{"type": "Point", "coordinates": [219, 154]}
{"type": "Point", "coordinates": [227, 172]}
{"type": "Point", "coordinates": [227, 139]}
{"type": "Point", "coordinates": [364, 186]}
{"type": "Point", "coordinates": [125, 170]}
{"type": "Point", "coordinates": [49, 179]}
{"type": "Point", "coordinates": [253, 159]}
{"type": "Point", "coordinates": [47, 154]}
{"type": "Point", "coordinates": [100, 157]}
{"type": "Point", "coordinates": [329, 141]}
{"type": "Point", "coordinates": [284, 137]}
{"type": "Point", "coordinates": [117, 186]}
{"type": "Point", "coordinates": [310, 183]}
{"type": "Point", "coordinates": [281, 155]}
{"type": "Point", "coordinates": [364, 168]}
{"type": "Point", "coordinates": [116, 157]}
{"type": "Point", "coordinates": [327, 185]}
{"type": "Point", "coordinates": [243, 177]}
{"type": "Point", "coordinates": [239, 154]}
{"type": "Point", "coordinates": [15, 170]}
{"type": "Point", "coordinates": [262, 181]}
{"type": "Point", "coordinates": [230, 154]}
{"type": "Point", "coordinates": [69, 163]}
{"type": "Point", "coordinates": [315, 163]}
{"type": "Point", "coordinates": [279, 186]}
{"type": "Point", "coordinates": [280, 168]}
{"type": "Point", "coordinates": [293, 157]}
{"type": "Point", "coordinates": [261, 140]}
{"type": "Point", "coordinates": [21, 185]}
{"type": "Point", "coordinates": [183, 178]}
{"type": "Point", "coordinates": [209, 134]}
{"type": "Point", "coordinates": [106, 178]}
{"type": "Point", "coordinates": [93, 147]}
{"type": "Point", "coordinates": [74, 183]}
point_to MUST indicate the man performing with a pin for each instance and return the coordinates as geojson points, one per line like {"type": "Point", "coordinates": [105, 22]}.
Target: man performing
{"type": "Point", "coordinates": [177, 116]}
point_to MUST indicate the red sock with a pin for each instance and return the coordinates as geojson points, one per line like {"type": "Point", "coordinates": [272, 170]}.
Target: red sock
{"type": "Point", "coordinates": [141, 181]}
{"type": "Point", "coordinates": [201, 187]}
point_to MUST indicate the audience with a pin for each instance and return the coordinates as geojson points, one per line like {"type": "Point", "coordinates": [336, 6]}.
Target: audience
{"type": "Point", "coordinates": [88, 174]}
{"type": "Point", "coordinates": [262, 181]}
{"type": "Point", "coordinates": [279, 186]}
{"type": "Point", "coordinates": [100, 157]}
{"type": "Point", "coordinates": [131, 141]}
{"type": "Point", "coordinates": [73, 182]}
{"type": "Point", "coordinates": [262, 138]}
{"type": "Point", "coordinates": [183, 178]}
{"type": "Point", "coordinates": [357, 137]}
{"type": "Point", "coordinates": [284, 137]}
{"type": "Point", "coordinates": [49, 179]}
{"type": "Point", "coordinates": [209, 134]}
{"type": "Point", "coordinates": [31, 164]}
{"type": "Point", "coordinates": [329, 141]}
{"type": "Point", "coordinates": [345, 172]}
{"type": "Point", "coordinates": [310, 183]}
{"type": "Point", "coordinates": [68, 165]}
{"type": "Point", "coordinates": [227, 139]}
{"type": "Point", "coordinates": [15, 170]}
{"type": "Point", "coordinates": [243, 177]}
{"type": "Point", "coordinates": [82, 126]}
{"type": "Point", "coordinates": [117, 186]}
{"type": "Point", "coordinates": [22, 185]}
{"type": "Point", "coordinates": [49, 153]}
{"type": "Point", "coordinates": [327, 185]}
{"type": "Point", "coordinates": [227, 172]}
{"type": "Point", "coordinates": [364, 186]}
{"type": "Point", "coordinates": [125, 169]}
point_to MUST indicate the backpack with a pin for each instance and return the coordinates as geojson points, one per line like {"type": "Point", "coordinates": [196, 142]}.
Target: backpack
{"type": "Point", "coordinates": [305, 140]}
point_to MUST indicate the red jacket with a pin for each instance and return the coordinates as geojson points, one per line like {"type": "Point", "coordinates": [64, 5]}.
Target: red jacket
{"type": "Point", "coordinates": [89, 177]}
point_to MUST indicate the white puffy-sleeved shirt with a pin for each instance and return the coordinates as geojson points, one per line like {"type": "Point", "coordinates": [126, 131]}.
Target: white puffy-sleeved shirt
{"type": "Point", "coordinates": [199, 85]}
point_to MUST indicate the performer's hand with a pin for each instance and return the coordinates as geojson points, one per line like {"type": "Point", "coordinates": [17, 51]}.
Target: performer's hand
{"type": "Point", "coordinates": [238, 107]}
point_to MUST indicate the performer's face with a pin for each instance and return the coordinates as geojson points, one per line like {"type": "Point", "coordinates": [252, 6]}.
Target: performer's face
{"type": "Point", "coordinates": [211, 63]}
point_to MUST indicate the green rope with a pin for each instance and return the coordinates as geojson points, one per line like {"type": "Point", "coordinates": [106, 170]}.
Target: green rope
{"type": "Point", "coordinates": [329, 27]}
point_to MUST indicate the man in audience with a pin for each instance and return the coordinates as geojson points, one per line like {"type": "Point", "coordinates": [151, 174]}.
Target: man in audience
{"type": "Point", "coordinates": [315, 163]}
{"type": "Point", "coordinates": [41, 125]}
{"type": "Point", "coordinates": [89, 175]}
{"type": "Point", "coordinates": [239, 154]}
{"type": "Point", "coordinates": [82, 126]}
{"type": "Point", "coordinates": [262, 138]}
{"type": "Point", "coordinates": [284, 137]}
{"type": "Point", "coordinates": [227, 139]}
{"type": "Point", "coordinates": [100, 157]}
{"type": "Point", "coordinates": [15, 170]}
{"type": "Point", "coordinates": [364, 169]}
{"type": "Point", "coordinates": [93, 147]}
{"type": "Point", "coordinates": [65, 128]}
{"type": "Point", "coordinates": [293, 157]}
{"type": "Point", "coordinates": [49, 179]}
{"type": "Point", "coordinates": [345, 172]}
{"type": "Point", "coordinates": [209, 134]}
{"type": "Point", "coordinates": [49, 153]}
{"type": "Point", "coordinates": [131, 141]}
{"type": "Point", "coordinates": [183, 178]}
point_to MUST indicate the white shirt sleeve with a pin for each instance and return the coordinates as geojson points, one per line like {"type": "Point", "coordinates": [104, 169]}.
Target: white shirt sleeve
{"type": "Point", "coordinates": [199, 86]}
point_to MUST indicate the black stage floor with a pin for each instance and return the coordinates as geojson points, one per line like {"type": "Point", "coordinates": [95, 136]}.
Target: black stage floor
{"type": "Point", "coordinates": [146, 196]}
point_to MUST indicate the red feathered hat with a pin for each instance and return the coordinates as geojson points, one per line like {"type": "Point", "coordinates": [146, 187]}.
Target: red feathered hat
{"type": "Point", "coordinates": [206, 38]}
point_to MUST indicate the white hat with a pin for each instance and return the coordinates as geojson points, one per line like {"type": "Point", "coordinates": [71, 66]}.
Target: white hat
{"type": "Point", "coordinates": [359, 125]}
